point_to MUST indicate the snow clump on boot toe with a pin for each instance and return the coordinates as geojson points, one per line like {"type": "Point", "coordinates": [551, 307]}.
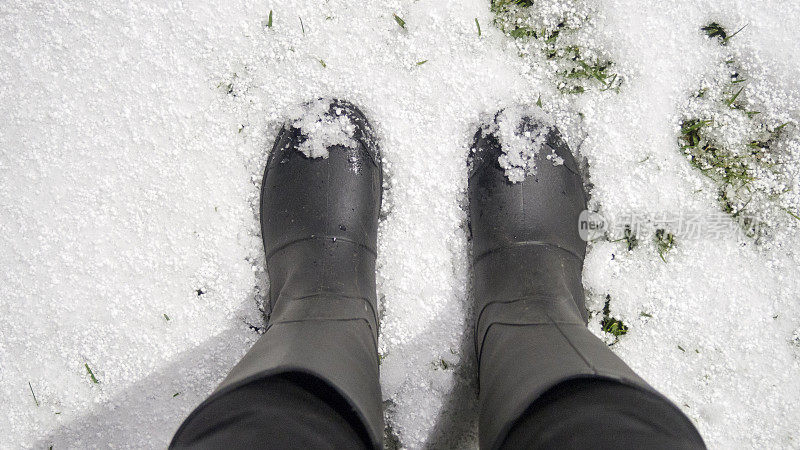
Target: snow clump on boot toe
{"type": "Point", "coordinates": [521, 132]}
{"type": "Point", "coordinates": [322, 127]}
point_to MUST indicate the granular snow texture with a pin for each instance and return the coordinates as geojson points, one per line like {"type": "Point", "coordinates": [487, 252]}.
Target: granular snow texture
{"type": "Point", "coordinates": [134, 136]}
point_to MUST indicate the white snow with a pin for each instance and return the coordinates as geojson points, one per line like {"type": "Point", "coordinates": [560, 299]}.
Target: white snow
{"type": "Point", "coordinates": [133, 139]}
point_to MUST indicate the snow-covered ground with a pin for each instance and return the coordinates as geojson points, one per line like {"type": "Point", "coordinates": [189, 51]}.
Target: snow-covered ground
{"type": "Point", "coordinates": [132, 140]}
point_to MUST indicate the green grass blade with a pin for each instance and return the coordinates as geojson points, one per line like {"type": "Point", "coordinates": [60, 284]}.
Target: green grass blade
{"type": "Point", "coordinates": [91, 374]}
{"type": "Point", "coordinates": [735, 96]}
{"type": "Point", "coordinates": [726, 39]}
{"type": "Point", "coordinates": [34, 395]}
{"type": "Point", "coordinates": [400, 21]}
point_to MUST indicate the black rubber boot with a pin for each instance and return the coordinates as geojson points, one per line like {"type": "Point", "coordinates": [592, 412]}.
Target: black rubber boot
{"type": "Point", "coordinates": [531, 330]}
{"type": "Point", "coordinates": [319, 219]}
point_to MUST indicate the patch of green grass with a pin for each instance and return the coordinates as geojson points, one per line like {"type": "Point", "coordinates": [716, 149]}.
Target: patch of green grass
{"type": "Point", "coordinates": [166, 317]}
{"type": "Point", "coordinates": [522, 32]}
{"type": "Point", "coordinates": [631, 241]}
{"type": "Point", "coordinates": [664, 243]}
{"type": "Point", "coordinates": [690, 132]}
{"type": "Point", "coordinates": [323, 63]}
{"type": "Point", "coordinates": [478, 24]}
{"type": "Point", "coordinates": [594, 70]}
{"type": "Point", "coordinates": [269, 20]}
{"type": "Point", "coordinates": [585, 72]}
{"type": "Point", "coordinates": [302, 27]}
{"type": "Point", "coordinates": [419, 63]}
{"type": "Point", "coordinates": [578, 73]}
{"type": "Point", "coordinates": [714, 162]}
{"type": "Point", "coordinates": [715, 30]}
{"type": "Point", "coordinates": [503, 5]}
{"type": "Point", "coordinates": [91, 374]}
{"type": "Point", "coordinates": [400, 21]}
{"type": "Point", "coordinates": [612, 325]}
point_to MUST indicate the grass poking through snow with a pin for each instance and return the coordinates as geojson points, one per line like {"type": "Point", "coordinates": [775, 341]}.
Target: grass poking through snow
{"type": "Point", "coordinates": [715, 30]}
{"type": "Point", "coordinates": [631, 241]}
{"type": "Point", "coordinates": [612, 325]}
{"type": "Point", "coordinates": [579, 68]}
{"type": "Point", "coordinates": [442, 364]}
{"type": "Point", "coordinates": [400, 21]}
{"type": "Point", "coordinates": [741, 172]}
{"type": "Point", "coordinates": [34, 395]}
{"type": "Point", "coordinates": [665, 242]}
{"type": "Point", "coordinates": [91, 374]}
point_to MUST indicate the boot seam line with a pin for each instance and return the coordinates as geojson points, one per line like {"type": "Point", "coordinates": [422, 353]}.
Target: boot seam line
{"type": "Point", "coordinates": [550, 322]}
{"type": "Point", "coordinates": [518, 299]}
{"type": "Point", "coordinates": [575, 349]}
{"type": "Point", "coordinates": [326, 237]}
{"type": "Point", "coordinates": [366, 300]}
{"type": "Point", "coordinates": [525, 244]}
{"type": "Point", "coordinates": [373, 332]}
{"type": "Point", "coordinates": [479, 346]}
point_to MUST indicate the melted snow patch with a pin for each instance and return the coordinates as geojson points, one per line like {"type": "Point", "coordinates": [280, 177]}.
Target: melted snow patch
{"type": "Point", "coordinates": [322, 127]}
{"type": "Point", "coordinates": [522, 132]}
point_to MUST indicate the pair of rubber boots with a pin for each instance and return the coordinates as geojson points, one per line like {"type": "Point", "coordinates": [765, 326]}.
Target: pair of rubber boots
{"type": "Point", "coordinates": [319, 220]}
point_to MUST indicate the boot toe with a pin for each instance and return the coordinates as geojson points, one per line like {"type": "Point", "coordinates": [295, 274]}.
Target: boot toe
{"type": "Point", "coordinates": [541, 204]}
{"type": "Point", "coordinates": [323, 179]}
